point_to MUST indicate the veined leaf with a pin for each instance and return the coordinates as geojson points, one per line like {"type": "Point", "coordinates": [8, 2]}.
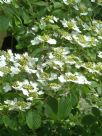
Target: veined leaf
{"type": "Point", "coordinates": [33, 119]}
{"type": "Point", "coordinates": [64, 107]}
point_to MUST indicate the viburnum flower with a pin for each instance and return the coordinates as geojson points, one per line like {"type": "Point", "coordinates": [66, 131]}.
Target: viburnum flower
{"type": "Point", "coordinates": [17, 105]}
{"type": "Point", "coordinates": [14, 70]}
{"type": "Point", "coordinates": [64, 23]}
{"type": "Point", "coordinates": [62, 79]}
{"type": "Point", "coordinates": [51, 41]}
{"type": "Point", "coordinates": [7, 88]}
{"type": "Point", "coordinates": [6, 1]}
{"type": "Point", "coordinates": [100, 54]}
{"type": "Point", "coordinates": [75, 78]}
{"type": "Point", "coordinates": [53, 19]}
{"type": "Point", "coordinates": [1, 74]}
{"type": "Point", "coordinates": [37, 40]}
{"type": "Point", "coordinates": [65, 2]}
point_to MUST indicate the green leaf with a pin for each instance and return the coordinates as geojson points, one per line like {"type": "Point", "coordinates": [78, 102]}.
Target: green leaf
{"type": "Point", "coordinates": [64, 107]}
{"type": "Point", "coordinates": [88, 120]}
{"type": "Point", "coordinates": [53, 103]}
{"type": "Point", "coordinates": [96, 111]}
{"type": "Point", "coordinates": [33, 119]}
{"type": "Point", "coordinates": [41, 3]}
{"type": "Point", "coordinates": [10, 122]}
{"type": "Point", "coordinates": [57, 5]}
{"type": "Point", "coordinates": [6, 120]}
{"type": "Point", "coordinates": [49, 112]}
{"type": "Point", "coordinates": [4, 23]}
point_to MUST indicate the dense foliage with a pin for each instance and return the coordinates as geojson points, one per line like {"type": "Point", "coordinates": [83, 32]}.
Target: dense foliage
{"type": "Point", "coordinates": [54, 87]}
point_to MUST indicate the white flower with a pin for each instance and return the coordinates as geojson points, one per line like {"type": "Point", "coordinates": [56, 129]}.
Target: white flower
{"type": "Point", "coordinates": [77, 78]}
{"type": "Point", "coordinates": [1, 74]}
{"type": "Point", "coordinates": [11, 57]}
{"type": "Point", "coordinates": [81, 79]}
{"type": "Point", "coordinates": [25, 92]}
{"type": "Point", "coordinates": [53, 76]}
{"type": "Point", "coordinates": [34, 86]}
{"type": "Point", "coordinates": [65, 2]}
{"type": "Point", "coordinates": [7, 87]}
{"type": "Point", "coordinates": [2, 58]}
{"type": "Point", "coordinates": [11, 102]}
{"type": "Point", "coordinates": [17, 56]}
{"type": "Point", "coordinates": [40, 92]}
{"type": "Point", "coordinates": [64, 23]}
{"type": "Point", "coordinates": [52, 41]}
{"type": "Point", "coordinates": [76, 29]}
{"type": "Point", "coordinates": [29, 70]}
{"type": "Point", "coordinates": [2, 61]}
{"type": "Point", "coordinates": [30, 99]}
{"type": "Point", "coordinates": [84, 13]}
{"type": "Point", "coordinates": [59, 63]}
{"type": "Point", "coordinates": [55, 19]}
{"type": "Point", "coordinates": [51, 55]}
{"type": "Point", "coordinates": [92, 0]}
{"type": "Point", "coordinates": [14, 70]}
{"type": "Point", "coordinates": [68, 37]}
{"type": "Point", "coordinates": [100, 54]}
{"type": "Point", "coordinates": [35, 28]}
{"type": "Point", "coordinates": [37, 40]}
{"type": "Point", "coordinates": [76, 7]}
{"type": "Point", "coordinates": [6, 1]}
{"type": "Point", "coordinates": [61, 79]}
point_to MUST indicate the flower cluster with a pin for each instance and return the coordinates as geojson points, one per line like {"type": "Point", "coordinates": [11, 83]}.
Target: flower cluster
{"type": "Point", "coordinates": [5, 1]}
{"type": "Point", "coordinates": [74, 31]}
{"type": "Point", "coordinates": [68, 53]}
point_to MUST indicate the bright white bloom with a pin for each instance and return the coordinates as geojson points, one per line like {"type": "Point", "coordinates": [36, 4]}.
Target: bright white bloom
{"type": "Point", "coordinates": [35, 28]}
{"type": "Point", "coordinates": [11, 102]}
{"type": "Point", "coordinates": [7, 88]}
{"type": "Point", "coordinates": [59, 63]}
{"type": "Point", "coordinates": [92, 0]}
{"type": "Point", "coordinates": [76, 7]}
{"type": "Point", "coordinates": [29, 70]}
{"type": "Point", "coordinates": [81, 79]}
{"type": "Point", "coordinates": [26, 87]}
{"type": "Point", "coordinates": [53, 76]}
{"type": "Point", "coordinates": [84, 14]}
{"type": "Point", "coordinates": [53, 19]}
{"type": "Point", "coordinates": [2, 61]}
{"type": "Point", "coordinates": [68, 37]}
{"type": "Point", "coordinates": [75, 78]}
{"type": "Point", "coordinates": [62, 79]}
{"type": "Point", "coordinates": [17, 57]}
{"type": "Point", "coordinates": [52, 41]}
{"type": "Point", "coordinates": [10, 55]}
{"type": "Point", "coordinates": [25, 92]}
{"type": "Point", "coordinates": [17, 105]}
{"type": "Point", "coordinates": [100, 37]}
{"type": "Point", "coordinates": [76, 29]}
{"type": "Point", "coordinates": [51, 56]}
{"type": "Point", "coordinates": [65, 2]}
{"type": "Point", "coordinates": [14, 70]}
{"type": "Point", "coordinates": [37, 40]}
{"type": "Point", "coordinates": [6, 1]}
{"type": "Point", "coordinates": [63, 51]}
{"type": "Point", "coordinates": [100, 54]}
{"type": "Point", "coordinates": [64, 23]}
{"type": "Point", "coordinates": [2, 58]}
{"type": "Point", "coordinates": [1, 74]}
